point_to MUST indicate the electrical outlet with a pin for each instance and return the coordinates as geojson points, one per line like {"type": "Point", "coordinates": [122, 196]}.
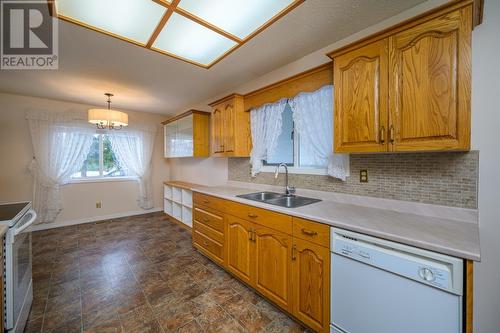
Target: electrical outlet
{"type": "Point", "coordinates": [363, 176]}
{"type": "Point", "coordinates": [98, 204]}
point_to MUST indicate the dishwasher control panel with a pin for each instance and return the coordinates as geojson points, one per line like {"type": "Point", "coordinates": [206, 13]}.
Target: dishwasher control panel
{"type": "Point", "coordinates": [416, 267]}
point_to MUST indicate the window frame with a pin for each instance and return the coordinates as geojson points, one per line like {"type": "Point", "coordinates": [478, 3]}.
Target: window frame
{"type": "Point", "coordinates": [271, 167]}
{"type": "Point", "coordinates": [101, 177]}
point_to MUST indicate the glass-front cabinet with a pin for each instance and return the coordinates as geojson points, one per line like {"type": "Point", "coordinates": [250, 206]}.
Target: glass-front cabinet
{"type": "Point", "coordinates": [187, 135]}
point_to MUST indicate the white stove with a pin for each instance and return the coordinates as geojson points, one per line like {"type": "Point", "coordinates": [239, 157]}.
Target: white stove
{"type": "Point", "coordinates": [18, 284]}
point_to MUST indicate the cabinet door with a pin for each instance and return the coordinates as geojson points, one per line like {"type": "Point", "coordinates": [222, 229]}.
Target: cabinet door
{"type": "Point", "coordinates": [228, 128]}
{"type": "Point", "coordinates": [311, 284]}
{"type": "Point", "coordinates": [239, 247]}
{"type": "Point", "coordinates": [170, 139]}
{"type": "Point", "coordinates": [430, 84]}
{"type": "Point", "coordinates": [184, 140]}
{"type": "Point", "coordinates": [217, 141]}
{"type": "Point", "coordinates": [360, 100]}
{"type": "Point", "coordinates": [272, 265]}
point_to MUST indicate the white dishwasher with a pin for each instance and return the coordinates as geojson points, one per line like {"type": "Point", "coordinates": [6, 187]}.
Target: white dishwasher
{"type": "Point", "coordinates": [379, 286]}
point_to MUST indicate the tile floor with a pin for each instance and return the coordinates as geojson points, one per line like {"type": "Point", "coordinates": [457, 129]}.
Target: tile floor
{"type": "Point", "coordinates": [138, 274]}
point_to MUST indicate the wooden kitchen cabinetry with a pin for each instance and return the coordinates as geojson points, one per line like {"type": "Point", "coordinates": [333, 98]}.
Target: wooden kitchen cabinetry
{"type": "Point", "coordinates": [285, 259]}
{"type": "Point", "coordinates": [239, 248]}
{"type": "Point", "coordinates": [272, 265]}
{"type": "Point", "coordinates": [311, 284]}
{"type": "Point", "coordinates": [408, 88]}
{"type": "Point", "coordinates": [208, 227]}
{"type": "Point", "coordinates": [230, 128]}
{"type": "Point", "coordinates": [187, 135]}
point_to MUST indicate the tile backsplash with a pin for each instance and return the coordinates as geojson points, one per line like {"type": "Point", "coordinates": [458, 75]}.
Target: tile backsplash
{"type": "Point", "coordinates": [448, 179]}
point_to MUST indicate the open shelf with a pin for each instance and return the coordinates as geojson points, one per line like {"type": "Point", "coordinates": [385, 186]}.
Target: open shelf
{"type": "Point", "coordinates": [178, 203]}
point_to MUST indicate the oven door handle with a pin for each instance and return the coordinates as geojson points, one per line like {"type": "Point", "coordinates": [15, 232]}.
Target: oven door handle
{"type": "Point", "coordinates": [27, 224]}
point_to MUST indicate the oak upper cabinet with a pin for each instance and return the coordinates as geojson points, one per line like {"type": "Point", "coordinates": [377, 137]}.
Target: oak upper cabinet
{"type": "Point", "coordinates": [230, 127]}
{"type": "Point", "coordinates": [407, 89]}
{"type": "Point", "coordinates": [430, 82]}
{"type": "Point", "coordinates": [273, 275]}
{"type": "Point", "coordinates": [361, 99]}
{"type": "Point", "coordinates": [187, 135]}
{"type": "Point", "coordinates": [239, 250]}
{"type": "Point", "coordinates": [311, 284]}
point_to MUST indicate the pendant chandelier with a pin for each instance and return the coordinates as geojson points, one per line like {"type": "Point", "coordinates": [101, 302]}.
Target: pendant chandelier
{"type": "Point", "coordinates": [107, 118]}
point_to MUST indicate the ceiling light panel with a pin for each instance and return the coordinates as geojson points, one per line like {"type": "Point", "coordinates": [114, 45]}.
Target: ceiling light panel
{"type": "Point", "coordinates": [135, 20]}
{"type": "Point", "coordinates": [192, 41]}
{"type": "Point", "coordinates": [238, 17]}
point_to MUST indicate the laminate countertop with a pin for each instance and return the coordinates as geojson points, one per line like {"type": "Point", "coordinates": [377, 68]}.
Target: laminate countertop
{"type": "Point", "coordinates": [440, 234]}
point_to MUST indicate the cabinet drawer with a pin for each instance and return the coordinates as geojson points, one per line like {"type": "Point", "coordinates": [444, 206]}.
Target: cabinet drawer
{"type": "Point", "coordinates": [209, 246]}
{"type": "Point", "coordinates": [267, 218]}
{"type": "Point", "coordinates": [312, 231]}
{"type": "Point", "coordinates": [214, 221]}
{"type": "Point", "coordinates": [209, 232]}
{"type": "Point", "coordinates": [208, 201]}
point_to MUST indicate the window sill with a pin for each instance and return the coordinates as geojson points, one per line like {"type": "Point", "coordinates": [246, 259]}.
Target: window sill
{"type": "Point", "coordinates": [101, 180]}
{"type": "Point", "coordinates": [296, 170]}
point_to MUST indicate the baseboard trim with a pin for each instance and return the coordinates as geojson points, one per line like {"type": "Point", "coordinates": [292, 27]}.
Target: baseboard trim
{"type": "Point", "coordinates": [45, 226]}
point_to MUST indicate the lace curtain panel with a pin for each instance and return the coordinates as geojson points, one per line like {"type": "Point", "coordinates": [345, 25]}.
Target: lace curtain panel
{"type": "Point", "coordinates": [313, 117]}
{"type": "Point", "coordinates": [265, 125]}
{"type": "Point", "coordinates": [61, 143]}
{"type": "Point", "coordinates": [134, 149]}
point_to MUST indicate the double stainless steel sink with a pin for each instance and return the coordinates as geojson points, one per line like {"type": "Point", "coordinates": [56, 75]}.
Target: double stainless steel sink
{"type": "Point", "coordinates": [277, 199]}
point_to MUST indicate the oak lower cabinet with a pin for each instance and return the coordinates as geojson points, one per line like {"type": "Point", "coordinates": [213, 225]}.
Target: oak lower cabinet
{"type": "Point", "coordinates": [260, 257]}
{"type": "Point", "coordinates": [285, 259]}
{"type": "Point", "coordinates": [408, 88]}
{"type": "Point", "coordinates": [239, 248]}
{"type": "Point", "coordinates": [272, 265]}
{"type": "Point", "coordinates": [311, 284]}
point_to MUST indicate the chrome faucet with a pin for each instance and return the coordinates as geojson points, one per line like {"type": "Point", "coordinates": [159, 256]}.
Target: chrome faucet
{"type": "Point", "coordinates": [289, 190]}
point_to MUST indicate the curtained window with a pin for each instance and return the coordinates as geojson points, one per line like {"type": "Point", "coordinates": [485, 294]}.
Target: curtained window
{"type": "Point", "coordinates": [298, 133]}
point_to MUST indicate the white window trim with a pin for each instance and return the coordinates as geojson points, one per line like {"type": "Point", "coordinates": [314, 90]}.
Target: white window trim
{"type": "Point", "coordinates": [101, 179]}
{"type": "Point", "coordinates": [297, 170]}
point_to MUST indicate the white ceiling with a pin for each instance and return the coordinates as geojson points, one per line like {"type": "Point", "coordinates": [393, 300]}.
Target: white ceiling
{"type": "Point", "coordinates": [91, 63]}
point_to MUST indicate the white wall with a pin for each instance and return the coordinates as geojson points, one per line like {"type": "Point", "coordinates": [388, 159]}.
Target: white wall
{"type": "Point", "coordinates": [485, 128]}
{"type": "Point", "coordinates": [16, 151]}
{"type": "Point", "coordinates": [203, 171]}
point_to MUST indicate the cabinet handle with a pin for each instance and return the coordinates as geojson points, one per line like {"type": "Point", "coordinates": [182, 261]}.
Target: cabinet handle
{"type": "Point", "coordinates": [309, 232]}
{"type": "Point", "coordinates": [206, 201]}
{"type": "Point", "coordinates": [251, 215]}
{"type": "Point", "coordinates": [294, 252]}
{"type": "Point", "coordinates": [382, 135]}
{"type": "Point", "coordinates": [391, 133]}
{"type": "Point", "coordinates": [206, 220]}
{"type": "Point", "coordinates": [250, 234]}
{"type": "Point", "coordinates": [205, 243]}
